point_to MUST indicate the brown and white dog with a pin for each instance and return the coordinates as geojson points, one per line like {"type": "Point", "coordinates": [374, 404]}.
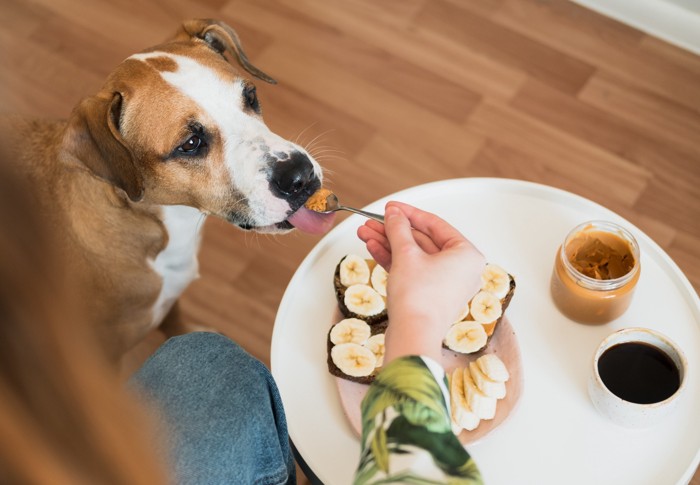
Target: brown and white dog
{"type": "Point", "coordinates": [175, 134]}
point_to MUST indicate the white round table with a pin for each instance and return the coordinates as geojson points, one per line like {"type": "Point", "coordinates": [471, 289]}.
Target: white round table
{"type": "Point", "coordinates": [554, 436]}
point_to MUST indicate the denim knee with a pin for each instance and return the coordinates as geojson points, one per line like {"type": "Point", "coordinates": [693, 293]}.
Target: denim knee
{"type": "Point", "coordinates": [223, 411]}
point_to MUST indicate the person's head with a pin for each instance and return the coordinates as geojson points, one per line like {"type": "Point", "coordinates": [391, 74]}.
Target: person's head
{"type": "Point", "coordinates": [64, 417]}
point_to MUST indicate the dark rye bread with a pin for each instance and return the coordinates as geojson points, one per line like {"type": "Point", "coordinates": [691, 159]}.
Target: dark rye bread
{"type": "Point", "coordinates": [505, 301]}
{"type": "Point", "coordinates": [333, 369]}
{"type": "Point", "coordinates": [340, 296]}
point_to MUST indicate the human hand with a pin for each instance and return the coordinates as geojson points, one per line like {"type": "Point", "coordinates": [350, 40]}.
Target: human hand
{"type": "Point", "coordinates": [434, 270]}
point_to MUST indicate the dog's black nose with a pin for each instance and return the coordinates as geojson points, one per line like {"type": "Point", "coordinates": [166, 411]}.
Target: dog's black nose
{"type": "Point", "coordinates": [293, 175]}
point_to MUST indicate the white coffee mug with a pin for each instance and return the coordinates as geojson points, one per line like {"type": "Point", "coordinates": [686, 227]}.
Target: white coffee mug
{"type": "Point", "coordinates": [626, 413]}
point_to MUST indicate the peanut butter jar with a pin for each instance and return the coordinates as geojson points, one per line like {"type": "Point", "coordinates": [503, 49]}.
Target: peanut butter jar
{"type": "Point", "coordinates": [595, 272]}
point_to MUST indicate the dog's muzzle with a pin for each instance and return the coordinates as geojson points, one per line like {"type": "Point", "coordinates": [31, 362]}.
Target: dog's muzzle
{"type": "Point", "coordinates": [293, 179]}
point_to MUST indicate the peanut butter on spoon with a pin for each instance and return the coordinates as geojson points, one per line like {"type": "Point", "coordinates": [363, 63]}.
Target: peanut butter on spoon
{"type": "Point", "coordinates": [317, 202]}
{"type": "Point", "coordinates": [323, 201]}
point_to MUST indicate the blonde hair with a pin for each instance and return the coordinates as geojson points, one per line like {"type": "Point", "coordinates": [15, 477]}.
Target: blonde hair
{"type": "Point", "coordinates": [65, 418]}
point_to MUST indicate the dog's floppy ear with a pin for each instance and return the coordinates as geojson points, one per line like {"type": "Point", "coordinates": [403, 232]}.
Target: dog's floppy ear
{"type": "Point", "coordinates": [95, 140]}
{"type": "Point", "coordinates": [222, 38]}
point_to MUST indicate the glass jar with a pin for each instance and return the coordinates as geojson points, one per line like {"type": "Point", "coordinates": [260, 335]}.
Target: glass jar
{"type": "Point", "coordinates": [595, 272]}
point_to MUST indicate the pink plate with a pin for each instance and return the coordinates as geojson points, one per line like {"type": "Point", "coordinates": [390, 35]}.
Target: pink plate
{"type": "Point", "coordinates": [503, 343]}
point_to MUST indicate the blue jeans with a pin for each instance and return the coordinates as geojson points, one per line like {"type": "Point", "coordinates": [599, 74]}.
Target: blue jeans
{"type": "Point", "coordinates": [219, 411]}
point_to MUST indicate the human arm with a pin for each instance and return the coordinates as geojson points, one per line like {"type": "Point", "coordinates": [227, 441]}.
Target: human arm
{"type": "Point", "coordinates": [433, 269]}
{"type": "Point", "coordinates": [407, 435]}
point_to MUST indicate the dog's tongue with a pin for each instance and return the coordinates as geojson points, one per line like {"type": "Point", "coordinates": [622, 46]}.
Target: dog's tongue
{"type": "Point", "coordinates": [312, 222]}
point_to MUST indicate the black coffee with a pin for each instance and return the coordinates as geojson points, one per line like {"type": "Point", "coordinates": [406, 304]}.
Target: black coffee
{"type": "Point", "coordinates": [639, 373]}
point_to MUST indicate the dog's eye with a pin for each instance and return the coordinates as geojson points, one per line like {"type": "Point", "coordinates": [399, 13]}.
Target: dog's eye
{"type": "Point", "coordinates": [251, 97]}
{"type": "Point", "coordinates": [191, 145]}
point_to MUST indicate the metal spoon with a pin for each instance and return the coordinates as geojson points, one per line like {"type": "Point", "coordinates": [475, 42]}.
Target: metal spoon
{"type": "Point", "coordinates": [333, 205]}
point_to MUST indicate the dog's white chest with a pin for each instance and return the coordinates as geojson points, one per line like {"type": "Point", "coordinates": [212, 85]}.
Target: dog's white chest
{"type": "Point", "coordinates": [177, 263]}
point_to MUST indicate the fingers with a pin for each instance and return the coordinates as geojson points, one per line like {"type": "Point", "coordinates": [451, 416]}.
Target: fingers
{"type": "Point", "coordinates": [398, 230]}
{"type": "Point", "coordinates": [439, 231]}
{"type": "Point", "coordinates": [367, 234]}
{"type": "Point", "coordinates": [379, 253]}
{"type": "Point", "coordinates": [410, 227]}
{"type": "Point", "coordinates": [425, 243]}
{"type": "Point", "coordinates": [376, 226]}
{"type": "Point", "coordinates": [370, 231]}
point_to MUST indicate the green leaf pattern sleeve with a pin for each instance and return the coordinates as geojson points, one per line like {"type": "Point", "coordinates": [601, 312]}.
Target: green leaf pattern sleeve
{"type": "Point", "coordinates": [406, 429]}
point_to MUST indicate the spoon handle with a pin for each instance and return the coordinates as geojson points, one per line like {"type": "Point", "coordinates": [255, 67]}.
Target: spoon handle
{"type": "Point", "coordinates": [371, 215]}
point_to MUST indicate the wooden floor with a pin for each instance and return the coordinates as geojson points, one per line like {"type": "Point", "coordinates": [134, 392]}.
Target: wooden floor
{"type": "Point", "coordinates": [396, 93]}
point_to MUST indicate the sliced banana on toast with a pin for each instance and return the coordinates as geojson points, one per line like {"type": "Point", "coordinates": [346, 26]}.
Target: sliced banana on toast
{"type": "Point", "coordinates": [495, 280]}
{"type": "Point", "coordinates": [466, 337]}
{"type": "Point", "coordinates": [350, 330]}
{"type": "Point", "coordinates": [486, 309]}
{"type": "Point", "coordinates": [376, 344]}
{"type": "Point", "coordinates": [354, 360]}
{"type": "Point", "coordinates": [356, 350]}
{"type": "Point", "coordinates": [379, 279]}
{"type": "Point", "coordinates": [360, 289]}
{"type": "Point", "coordinates": [354, 270]}
{"type": "Point", "coordinates": [363, 300]}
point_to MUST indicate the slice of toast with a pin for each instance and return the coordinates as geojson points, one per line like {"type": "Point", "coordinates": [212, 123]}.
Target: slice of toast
{"type": "Point", "coordinates": [333, 369]}
{"type": "Point", "coordinates": [340, 296]}
{"type": "Point", "coordinates": [490, 327]}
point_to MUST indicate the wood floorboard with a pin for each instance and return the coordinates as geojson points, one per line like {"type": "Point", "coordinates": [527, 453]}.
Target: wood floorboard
{"type": "Point", "coordinates": [392, 94]}
{"type": "Point", "coordinates": [537, 59]}
{"type": "Point", "coordinates": [641, 107]}
{"type": "Point", "coordinates": [582, 35]}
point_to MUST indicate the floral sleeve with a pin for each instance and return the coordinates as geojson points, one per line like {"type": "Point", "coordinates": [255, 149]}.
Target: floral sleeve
{"type": "Point", "coordinates": [406, 429]}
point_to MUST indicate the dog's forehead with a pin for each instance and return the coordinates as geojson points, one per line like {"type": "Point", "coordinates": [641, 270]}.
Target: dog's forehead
{"type": "Point", "coordinates": [197, 53]}
{"type": "Point", "coordinates": [171, 89]}
{"type": "Point", "coordinates": [193, 75]}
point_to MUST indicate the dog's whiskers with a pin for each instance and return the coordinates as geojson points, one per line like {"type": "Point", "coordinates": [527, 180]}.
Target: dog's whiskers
{"type": "Point", "coordinates": [296, 140]}
{"type": "Point", "coordinates": [326, 150]}
{"type": "Point", "coordinates": [310, 146]}
{"type": "Point", "coordinates": [329, 153]}
{"type": "Point", "coordinates": [323, 153]}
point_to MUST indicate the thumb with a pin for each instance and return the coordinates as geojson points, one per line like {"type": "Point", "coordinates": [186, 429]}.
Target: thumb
{"type": "Point", "coordinates": [398, 229]}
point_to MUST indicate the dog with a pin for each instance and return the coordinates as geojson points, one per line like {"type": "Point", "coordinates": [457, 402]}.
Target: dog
{"type": "Point", "coordinates": [174, 135]}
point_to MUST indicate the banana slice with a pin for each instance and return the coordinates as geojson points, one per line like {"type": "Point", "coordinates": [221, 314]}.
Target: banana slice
{"type": "Point", "coordinates": [493, 367]}
{"type": "Point", "coordinates": [354, 271]}
{"type": "Point", "coordinates": [379, 279]}
{"type": "Point", "coordinates": [487, 386]}
{"type": "Point", "coordinates": [466, 337]}
{"type": "Point", "coordinates": [464, 313]}
{"type": "Point", "coordinates": [376, 344]}
{"type": "Point", "coordinates": [495, 280]}
{"type": "Point", "coordinates": [462, 415]}
{"type": "Point", "coordinates": [354, 359]}
{"type": "Point", "coordinates": [350, 330]}
{"type": "Point", "coordinates": [480, 404]}
{"type": "Point", "coordinates": [485, 307]}
{"type": "Point", "coordinates": [363, 300]}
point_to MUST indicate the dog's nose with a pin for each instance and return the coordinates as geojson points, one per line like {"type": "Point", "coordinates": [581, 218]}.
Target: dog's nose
{"type": "Point", "coordinates": [291, 176]}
